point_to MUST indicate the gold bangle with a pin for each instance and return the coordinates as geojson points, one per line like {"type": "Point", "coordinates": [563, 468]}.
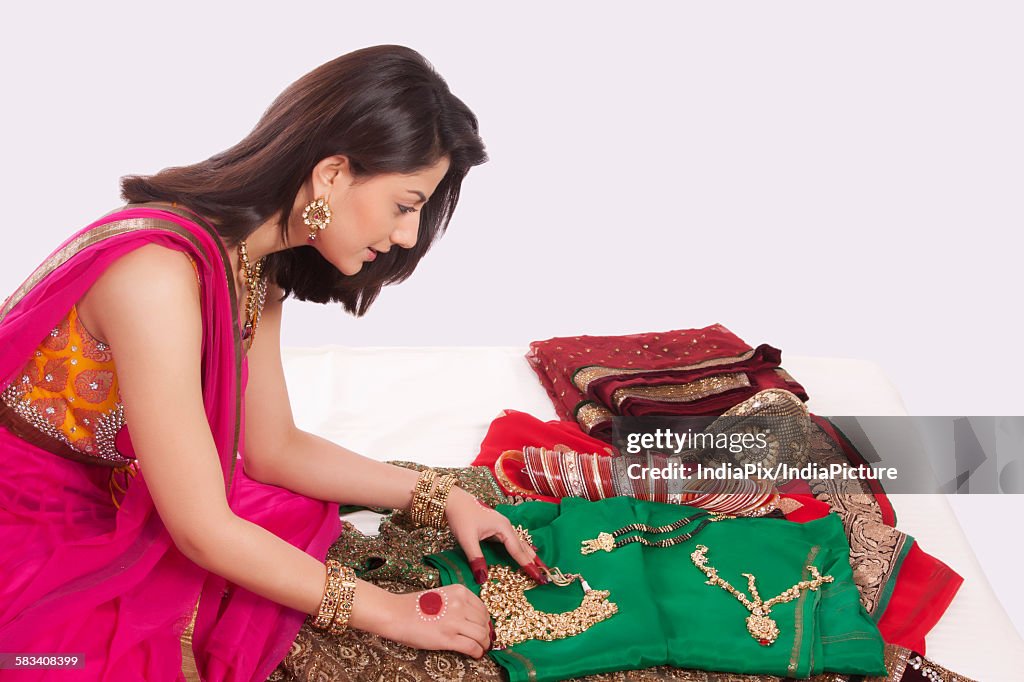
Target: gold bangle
{"type": "Point", "coordinates": [332, 594]}
{"type": "Point", "coordinates": [439, 501]}
{"type": "Point", "coordinates": [347, 598]}
{"type": "Point", "coordinates": [421, 494]}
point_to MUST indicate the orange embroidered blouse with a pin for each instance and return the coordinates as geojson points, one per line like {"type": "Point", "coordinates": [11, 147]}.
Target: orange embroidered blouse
{"type": "Point", "coordinates": [68, 391]}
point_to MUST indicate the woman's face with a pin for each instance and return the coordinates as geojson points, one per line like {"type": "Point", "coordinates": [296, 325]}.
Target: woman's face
{"type": "Point", "coordinates": [370, 215]}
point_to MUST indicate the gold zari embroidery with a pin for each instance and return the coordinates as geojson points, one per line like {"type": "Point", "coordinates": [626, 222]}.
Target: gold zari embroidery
{"type": "Point", "coordinates": [589, 415]}
{"type": "Point", "coordinates": [683, 393]}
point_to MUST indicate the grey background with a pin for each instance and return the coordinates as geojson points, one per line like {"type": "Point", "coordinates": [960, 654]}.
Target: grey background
{"type": "Point", "coordinates": [834, 179]}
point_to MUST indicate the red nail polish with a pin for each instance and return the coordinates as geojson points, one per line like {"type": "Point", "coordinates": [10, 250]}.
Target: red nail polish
{"type": "Point", "coordinates": [534, 572]}
{"type": "Point", "coordinates": [479, 568]}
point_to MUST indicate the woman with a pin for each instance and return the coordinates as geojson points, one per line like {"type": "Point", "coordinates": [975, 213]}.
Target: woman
{"type": "Point", "coordinates": [147, 548]}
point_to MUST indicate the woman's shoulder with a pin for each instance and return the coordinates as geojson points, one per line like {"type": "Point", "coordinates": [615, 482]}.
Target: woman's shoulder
{"type": "Point", "coordinates": [150, 280]}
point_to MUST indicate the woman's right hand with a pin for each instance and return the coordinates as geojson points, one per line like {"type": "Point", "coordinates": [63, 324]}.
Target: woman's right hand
{"type": "Point", "coordinates": [449, 618]}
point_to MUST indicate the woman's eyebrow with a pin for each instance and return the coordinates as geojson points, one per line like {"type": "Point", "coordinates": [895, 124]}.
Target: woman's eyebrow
{"type": "Point", "coordinates": [421, 195]}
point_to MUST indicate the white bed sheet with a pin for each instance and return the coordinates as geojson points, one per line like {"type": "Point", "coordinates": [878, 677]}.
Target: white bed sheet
{"type": "Point", "coordinates": [433, 405]}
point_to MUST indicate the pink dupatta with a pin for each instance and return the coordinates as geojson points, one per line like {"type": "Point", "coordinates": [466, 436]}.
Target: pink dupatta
{"type": "Point", "coordinates": [85, 578]}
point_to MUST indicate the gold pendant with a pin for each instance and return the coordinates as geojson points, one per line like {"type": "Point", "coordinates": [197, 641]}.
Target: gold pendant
{"type": "Point", "coordinates": [762, 628]}
{"type": "Point", "coordinates": [759, 624]}
{"type": "Point", "coordinates": [605, 541]}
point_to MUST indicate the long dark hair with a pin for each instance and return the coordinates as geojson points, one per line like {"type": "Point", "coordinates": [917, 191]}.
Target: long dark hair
{"type": "Point", "coordinates": [383, 107]}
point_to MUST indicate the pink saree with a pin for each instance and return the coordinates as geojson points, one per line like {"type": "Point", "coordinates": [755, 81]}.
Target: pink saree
{"type": "Point", "coordinates": [82, 577]}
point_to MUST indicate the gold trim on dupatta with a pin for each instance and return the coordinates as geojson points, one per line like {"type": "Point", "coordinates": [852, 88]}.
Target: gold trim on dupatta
{"type": "Point", "coordinates": [798, 625]}
{"type": "Point", "coordinates": [188, 657]}
{"type": "Point", "coordinates": [84, 241]}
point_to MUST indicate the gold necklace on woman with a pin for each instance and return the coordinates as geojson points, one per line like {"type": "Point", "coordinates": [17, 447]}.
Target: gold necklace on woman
{"type": "Point", "coordinates": [255, 288]}
{"type": "Point", "coordinates": [759, 624]}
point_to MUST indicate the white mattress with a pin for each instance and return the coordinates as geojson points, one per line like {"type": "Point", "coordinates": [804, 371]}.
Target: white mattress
{"type": "Point", "coordinates": [433, 405]}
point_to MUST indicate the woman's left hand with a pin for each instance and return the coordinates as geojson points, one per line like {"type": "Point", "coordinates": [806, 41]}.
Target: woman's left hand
{"type": "Point", "coordinates": [471, 521]}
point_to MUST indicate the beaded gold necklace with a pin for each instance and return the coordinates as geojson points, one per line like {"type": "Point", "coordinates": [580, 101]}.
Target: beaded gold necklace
{"type": "Point", "coordinates": [612, 541]}
{"type": "Point", "coordinates": [256, 294]}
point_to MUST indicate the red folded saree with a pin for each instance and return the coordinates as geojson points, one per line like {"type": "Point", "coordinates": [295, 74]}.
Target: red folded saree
{"type": "Point", "coordinates": [81, 576]}
{"type": "Point", "coordinates": [686, 372]}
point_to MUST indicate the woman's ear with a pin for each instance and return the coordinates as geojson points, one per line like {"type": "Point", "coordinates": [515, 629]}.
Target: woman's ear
{"type": "Point", "coordinates": [333, 173]}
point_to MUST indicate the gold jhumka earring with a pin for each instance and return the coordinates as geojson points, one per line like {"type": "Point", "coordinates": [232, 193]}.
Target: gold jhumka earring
{"type": "Point", "coordinates": [317, 215]}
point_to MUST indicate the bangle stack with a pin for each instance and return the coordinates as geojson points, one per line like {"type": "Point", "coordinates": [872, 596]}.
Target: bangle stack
{"type": "Point", "coordinates": [339, 594]}
{"type": "Point", "coordinates": [421, 496]}
{"type": "Point", "coordinates": [429, 501]}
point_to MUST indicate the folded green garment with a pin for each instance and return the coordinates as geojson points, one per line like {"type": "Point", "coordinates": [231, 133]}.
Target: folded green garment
{"type": "Point", "coordinates": [667, 613]}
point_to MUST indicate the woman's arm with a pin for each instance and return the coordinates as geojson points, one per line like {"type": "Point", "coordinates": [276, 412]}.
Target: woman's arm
{"type": "Point", "coordinates": [278, 453]}
{"type": "Point", "coordinates": [146, 306]}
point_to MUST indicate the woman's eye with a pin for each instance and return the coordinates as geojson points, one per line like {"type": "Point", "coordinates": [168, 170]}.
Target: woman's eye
{"type": "Point", "coordinates": [405, 209]}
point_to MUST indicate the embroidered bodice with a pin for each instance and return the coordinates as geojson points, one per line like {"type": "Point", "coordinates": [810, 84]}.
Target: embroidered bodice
{"type": "Point", "coordinates": [68, 391]}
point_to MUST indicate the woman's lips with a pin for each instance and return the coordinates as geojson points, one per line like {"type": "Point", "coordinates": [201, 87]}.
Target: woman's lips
{"type": "Point", "coordinates": [372, 254]}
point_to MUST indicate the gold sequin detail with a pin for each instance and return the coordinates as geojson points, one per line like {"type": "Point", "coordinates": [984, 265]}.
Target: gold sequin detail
{"type": "Point", "coordinates": [590, 415]}
{"type": "Point", "coordinates": [683, 393]}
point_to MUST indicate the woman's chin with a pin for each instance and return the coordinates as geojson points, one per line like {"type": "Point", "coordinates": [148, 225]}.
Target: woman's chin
{"type": "Point", "coordinates": [349, 269]}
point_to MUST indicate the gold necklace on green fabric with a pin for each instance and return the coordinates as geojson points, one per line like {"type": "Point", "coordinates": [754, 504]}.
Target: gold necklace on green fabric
{"type": "Point", "coordinates": [759, 624]}
{"type": "Point", "coordinates": [611, 541]}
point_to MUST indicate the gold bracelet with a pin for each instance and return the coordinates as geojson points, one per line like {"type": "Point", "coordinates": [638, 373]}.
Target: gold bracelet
{"type": "Point", "coordinates": [347, 598]}
{"type": "Point", "coordinates": [439, 501]}
{"type": "Point", "coordinates": [332, 595]}
{"type": "Point", "coordinates": [421, 493]}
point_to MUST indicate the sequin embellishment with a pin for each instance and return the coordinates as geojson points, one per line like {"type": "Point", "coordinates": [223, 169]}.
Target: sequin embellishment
{"type": "Point", "coordinates": [68, 391]}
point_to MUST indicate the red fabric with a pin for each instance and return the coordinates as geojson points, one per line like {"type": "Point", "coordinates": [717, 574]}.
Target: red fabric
{"type": "Point", "coordinates": [810, 508]}
{"type": "Point", "coordinates": [924, 589]}
{"type": "Point", "coordinates": [673, 358]}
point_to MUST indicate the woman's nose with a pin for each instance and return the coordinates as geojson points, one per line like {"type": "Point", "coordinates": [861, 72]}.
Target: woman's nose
{"type": "Point", "coordinates": [405, 235]}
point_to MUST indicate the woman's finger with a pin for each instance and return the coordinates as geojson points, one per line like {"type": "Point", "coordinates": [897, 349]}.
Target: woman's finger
{"type": "Point", "coordinates": [477, 563]}
{"type": "Point", "coordinates": [479, 632]}
{"type": "Point", "coordinates": [522, 553]}
{"type": "Point", "coordinates": [478, 609]}
{"type": "Point", "coordinates": [468, 646]}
